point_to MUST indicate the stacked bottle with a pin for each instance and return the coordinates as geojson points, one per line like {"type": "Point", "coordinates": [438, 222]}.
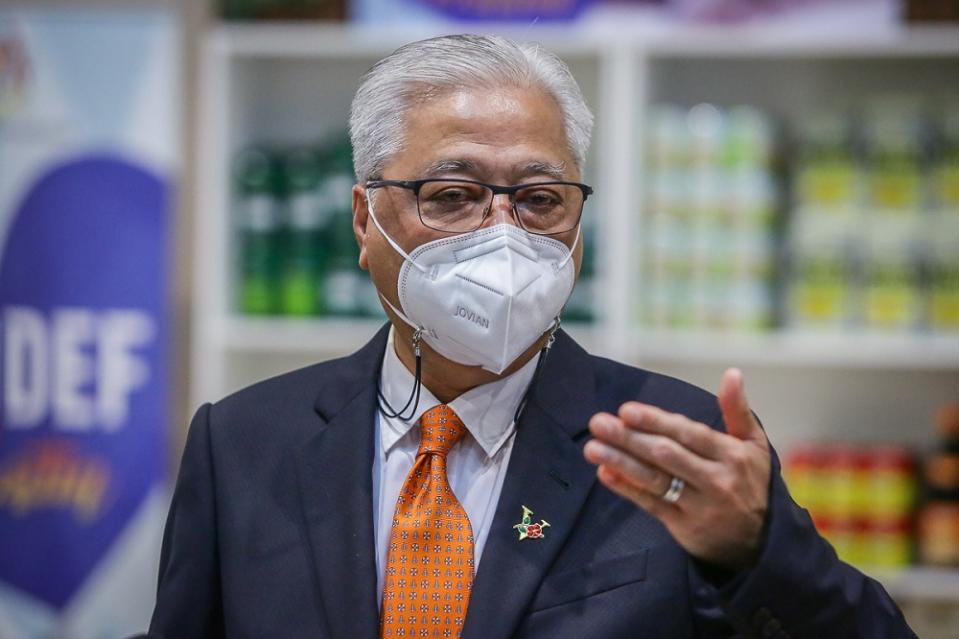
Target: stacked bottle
{"type": "Point", "coordinates": [874, 231]}
{"type": "Point", "coordinates": [939, 517]}
{"type": "Point", "coordinates": [711, 233]}
{"type": "Point", "coordinates": [860, 498]}
{"type": "Point", "coordinates": [259, 222]}
{"type": "Point", "coordinates": [298, 254]}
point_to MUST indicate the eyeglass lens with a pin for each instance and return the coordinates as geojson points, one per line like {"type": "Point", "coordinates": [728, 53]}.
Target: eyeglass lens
{"type": "Point", "coordinates": [462, 206]}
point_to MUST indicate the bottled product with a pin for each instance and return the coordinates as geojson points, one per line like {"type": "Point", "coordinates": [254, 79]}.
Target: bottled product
{"type": "Point", "coordinates": [259, 208]}
{"type": "Point", "coordinates": [861, 499]}
{"type": "Point", "coordinates": [829, 179]}
{"type": "Point", "coordinates": [945, 164]}
{"type": "Point", "coordinates": [943, 260]}
{"type": "Point", "coordinates": [939, 533]}
{"type": "Point", "coordinates": [939, 517]}
{"type": "Point", "coordinates": [943, 225]}
{"type": "Point", "coordinates": [894, 150]}
{"type": "Point", "coordinates": [822, 292]}
{"type": "Point", "coordinates": [298, 251]}
{"type": "Point", "coordinates": [824, 223]}
{"type": "Point", "coordinates": [891, 283]}
{"type": "Point", "coordinates": [344, 281]}
{"type": "Point", "coordinates": [282, 9]}
{"type": "Point", "coordinates": [710, 239]}
{"type": "Point", "coordinates": [301, 286]}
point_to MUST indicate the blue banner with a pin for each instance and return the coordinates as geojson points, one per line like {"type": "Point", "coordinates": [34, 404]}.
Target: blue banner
{"type": "Point", "coordinates": [85, 222]}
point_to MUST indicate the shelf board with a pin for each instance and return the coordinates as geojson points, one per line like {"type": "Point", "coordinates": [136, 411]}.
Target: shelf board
{"type": "Point", "coordinates": [791, 349]}
{"type": "Point", "coordinates": [350, 41]}
{"type": "Point", "coordinates": [281, 335]}
{"type": "Point", "coordinates": [785, 42]}
{"type": "Point", "coordinates": [330, 336]}
{"type": "Point", "coordinates": [294, 335]}
{"type": "Point", "coordinates": [920, 583]}
{"type": "Point", "coordinates": [667, 39]}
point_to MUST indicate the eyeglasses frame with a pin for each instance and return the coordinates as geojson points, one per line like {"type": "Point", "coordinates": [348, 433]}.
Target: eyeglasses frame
{"type": "Point", "coordinates": [497, 189]}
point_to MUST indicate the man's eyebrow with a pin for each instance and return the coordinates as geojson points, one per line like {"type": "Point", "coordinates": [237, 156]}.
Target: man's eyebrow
{"type": "Point", "coordinates": [555, 171]}
{"type": "Point", "coordinates": [451, 166]}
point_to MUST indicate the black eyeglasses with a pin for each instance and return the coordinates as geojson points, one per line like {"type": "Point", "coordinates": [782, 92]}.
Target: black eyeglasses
{"type": "Point", "coordinates": [460, 206]}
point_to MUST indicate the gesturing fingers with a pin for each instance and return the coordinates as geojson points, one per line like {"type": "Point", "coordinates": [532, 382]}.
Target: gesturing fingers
{"type": "Point", "coordinates": [638, 474]}
{"type": "Point", "coordinates": [739, 418]}
{"type": "Point", "coordinates": [652, 504]}
{"type": "Point", "coordinates": [697, 437]}
{"type": "Point", "coordinates": [658, 451]}
{"type": "Point", "coordinates": [721, 479]}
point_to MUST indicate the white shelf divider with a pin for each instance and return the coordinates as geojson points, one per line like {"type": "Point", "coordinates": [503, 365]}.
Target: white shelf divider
{"type": "Point", "coordinates": [786, 348]}
{"type": "Point", "coordinates": [920, 583]}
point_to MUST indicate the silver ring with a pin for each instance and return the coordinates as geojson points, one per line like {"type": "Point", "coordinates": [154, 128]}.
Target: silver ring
{"type": "Point", "coordinates": [674, 491]}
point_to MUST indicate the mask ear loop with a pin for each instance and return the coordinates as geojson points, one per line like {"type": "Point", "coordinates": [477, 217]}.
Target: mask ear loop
{"type": "Point", "coordinates": [413, 402]}
{"type": "Point", "coordinates": [396, 247]}
{"type": "Point", "coordinates": [539, 367]}
{"type": "Point", "coordinates": [569, 255]}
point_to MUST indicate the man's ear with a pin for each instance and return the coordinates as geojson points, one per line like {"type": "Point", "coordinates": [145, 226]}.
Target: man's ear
{"type": "Point", "coordinates": [361, 217]}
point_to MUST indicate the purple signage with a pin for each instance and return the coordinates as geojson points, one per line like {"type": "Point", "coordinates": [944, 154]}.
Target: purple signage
{"type": "Point", "coordinates": [83, 368]}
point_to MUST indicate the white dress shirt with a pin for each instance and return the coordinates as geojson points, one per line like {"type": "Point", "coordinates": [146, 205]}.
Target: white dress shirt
{"type": "Point", "coordinates": [476, 465]}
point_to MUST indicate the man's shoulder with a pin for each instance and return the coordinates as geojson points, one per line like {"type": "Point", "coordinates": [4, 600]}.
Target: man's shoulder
{"type": "Point", "coordinates": [283, 407]}
{"type": "Point", "coordinates": [292, 396]}
{"type": "Point", "coordinates": [290, 386]}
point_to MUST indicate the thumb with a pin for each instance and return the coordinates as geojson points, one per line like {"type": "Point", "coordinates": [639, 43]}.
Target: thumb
{"type": "Point", "coordinates": [739, 418]}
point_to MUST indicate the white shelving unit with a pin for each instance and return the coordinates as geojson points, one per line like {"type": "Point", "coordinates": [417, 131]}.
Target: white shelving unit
{"type": "Point", "coordinates": [287, 83]}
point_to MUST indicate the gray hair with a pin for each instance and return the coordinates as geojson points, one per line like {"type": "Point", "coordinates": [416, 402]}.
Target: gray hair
{"type": "Point", "coordinates": [425, 68]}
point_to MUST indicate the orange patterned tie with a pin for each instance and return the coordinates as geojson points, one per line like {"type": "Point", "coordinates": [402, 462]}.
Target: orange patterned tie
{"type": "Point", "coordinates": [429, 566]}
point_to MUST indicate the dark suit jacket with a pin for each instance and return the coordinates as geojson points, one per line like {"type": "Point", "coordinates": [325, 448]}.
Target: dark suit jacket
{"type": "Point", "coordinates": [270, 532]}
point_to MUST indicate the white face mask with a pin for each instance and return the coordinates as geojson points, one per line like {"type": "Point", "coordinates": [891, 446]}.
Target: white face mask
{"type": "Point", "coordinates": [483, 298]}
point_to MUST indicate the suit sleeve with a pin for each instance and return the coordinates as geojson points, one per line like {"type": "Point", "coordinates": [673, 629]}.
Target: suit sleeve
{"type": "Point", "coordinates": [797, 588]}
{"type": "Point", "coordinates": [188, 604]}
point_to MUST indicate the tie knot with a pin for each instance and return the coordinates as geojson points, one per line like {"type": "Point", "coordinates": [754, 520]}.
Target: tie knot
{"type": "Point", "coordinates": [440, 429]}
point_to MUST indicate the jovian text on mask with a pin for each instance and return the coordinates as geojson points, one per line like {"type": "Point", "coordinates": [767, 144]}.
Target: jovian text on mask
{"type": "Point", "coordinates": [472, 316]}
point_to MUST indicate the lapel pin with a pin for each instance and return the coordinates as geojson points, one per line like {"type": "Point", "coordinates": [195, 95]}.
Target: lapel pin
{"type": "Point", "coordinates": [528, 529]}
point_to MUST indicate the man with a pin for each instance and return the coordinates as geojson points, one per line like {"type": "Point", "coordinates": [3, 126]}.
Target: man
{"type": "Point", "coordinates": [471, 471]}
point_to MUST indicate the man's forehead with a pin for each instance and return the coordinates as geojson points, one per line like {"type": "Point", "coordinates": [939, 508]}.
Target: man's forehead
{"type": "Point", "coordinates": [480, 167]}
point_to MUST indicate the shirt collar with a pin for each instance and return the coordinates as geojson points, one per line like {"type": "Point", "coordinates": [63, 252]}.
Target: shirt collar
{"type": "Point", "coordinates": [487, 410]}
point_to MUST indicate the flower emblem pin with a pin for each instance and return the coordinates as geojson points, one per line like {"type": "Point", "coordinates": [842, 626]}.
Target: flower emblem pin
{"type": "Point", "coordinates": [529, 529]}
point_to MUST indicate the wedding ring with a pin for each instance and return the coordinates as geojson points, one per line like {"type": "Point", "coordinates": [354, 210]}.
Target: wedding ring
{"type": "Point", "coordinates": [674, 491]}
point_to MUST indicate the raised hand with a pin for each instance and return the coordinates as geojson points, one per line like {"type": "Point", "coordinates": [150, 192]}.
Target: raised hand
{"type": "Point", "coordinates": [716, 512]}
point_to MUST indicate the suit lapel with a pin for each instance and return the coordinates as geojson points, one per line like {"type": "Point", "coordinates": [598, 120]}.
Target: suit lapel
{"type": "Point", "coordinates": [334, 472]}
{"type": "Point", "coordinates": [548, 474]}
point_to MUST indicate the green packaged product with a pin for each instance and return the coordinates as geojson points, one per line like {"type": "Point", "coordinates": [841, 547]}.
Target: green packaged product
{"type": "Point", "coordinates": [301, 288]}
{"type": "Point", "coordinates": [343, 279]}
{"type": "Point", "coordinates": [259, 212]}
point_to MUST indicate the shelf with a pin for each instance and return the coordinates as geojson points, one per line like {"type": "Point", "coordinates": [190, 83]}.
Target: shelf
{"type": "Point", "coordinates": [324, 336]}
{"type": "Point", "coordinates": [329, 336]}
{"type": "Point", "coordinates": [787, 349]}
{"type": "Point", "coordinates": [298, 40]}
{"type": "Point", "coordinates": [920, 583]}
{"type": "Point", "coordinates": [330, 41]}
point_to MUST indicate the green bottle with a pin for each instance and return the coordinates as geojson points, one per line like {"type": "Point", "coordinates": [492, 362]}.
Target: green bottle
{"type": "Point", "coordinates": [343, 277]}
{"type": "Point", "coordinates": [259, 210]}
{"type": "Point", "coordinates": [301, 284]}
